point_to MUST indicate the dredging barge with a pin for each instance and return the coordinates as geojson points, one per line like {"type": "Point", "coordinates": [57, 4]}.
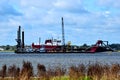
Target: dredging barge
{"type": "Point", "coordinates": [53, 46]}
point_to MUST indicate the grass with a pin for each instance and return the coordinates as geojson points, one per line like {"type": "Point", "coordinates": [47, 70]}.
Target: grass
{"type": "Point", "coordinates": [94, 71]}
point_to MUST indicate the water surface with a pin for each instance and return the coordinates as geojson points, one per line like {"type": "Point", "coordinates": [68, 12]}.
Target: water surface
{"type": "Point", "coordinates": [65, 60]}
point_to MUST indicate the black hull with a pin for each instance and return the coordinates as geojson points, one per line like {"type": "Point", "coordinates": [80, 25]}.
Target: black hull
{"type": "Point", "coordinates": [79, 52]}
{"type": "Point", "coordinates": [49, 52]}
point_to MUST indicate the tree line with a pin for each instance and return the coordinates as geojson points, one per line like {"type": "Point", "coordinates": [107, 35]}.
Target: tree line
{"type": "Point", "coordinates": [8, 47]}
{"type": "Point", "coordinates": [115, 46]}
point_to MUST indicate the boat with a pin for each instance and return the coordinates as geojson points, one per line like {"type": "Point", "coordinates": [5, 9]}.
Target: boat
{"type": "Point", "coordinates": [53, 46]}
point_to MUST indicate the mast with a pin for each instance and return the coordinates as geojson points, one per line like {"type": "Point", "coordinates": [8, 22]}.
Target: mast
{"type": "Point", "coordinates": [63, 36]}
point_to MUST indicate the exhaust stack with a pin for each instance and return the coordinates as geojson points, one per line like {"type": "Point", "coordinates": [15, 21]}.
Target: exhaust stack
{"type": "Point", "coordinates": [19, 38]}
{"type": "Point", "coordinates": [23, 44]}
{"type": "Point", "coordinates": [20, 47]}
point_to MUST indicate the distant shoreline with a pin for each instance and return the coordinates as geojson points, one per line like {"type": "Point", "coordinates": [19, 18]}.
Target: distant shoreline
{"type": "Point", "coordinates": [6, 51]}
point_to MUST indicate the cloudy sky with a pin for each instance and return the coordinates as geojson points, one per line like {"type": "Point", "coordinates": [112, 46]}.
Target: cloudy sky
{"type": "Point", "coordinates": [86, 21]}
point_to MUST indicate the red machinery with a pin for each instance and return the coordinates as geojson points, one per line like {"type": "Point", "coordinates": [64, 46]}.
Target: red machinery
{"type": "Point", "coordinates": [100, 46]}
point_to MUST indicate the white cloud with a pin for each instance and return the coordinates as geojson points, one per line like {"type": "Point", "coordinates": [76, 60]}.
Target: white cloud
{"type": "Point", "coordinates": [67, 3]}
{"type": "Point", "coordinates": [42, 18]}
{"type": "Point", "coordinates": [109, 3]}
{"type": "Point", "coordinates": [60, 4]}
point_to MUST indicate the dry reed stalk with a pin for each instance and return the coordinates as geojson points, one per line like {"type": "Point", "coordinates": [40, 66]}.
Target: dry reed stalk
{"type": "Point", "coordinates": [60, 71]}
{"type": "Point", "coordinates": [13, 71]}
{"type": "Point", "coordinates": [81, 70]}
{"type": "Point", "coordinates": [26, 71]}
{"type": "Point", "coordinates": [3, 71]}
{"type": "Point", "coordinates": [56, 71]}
{"type": "Point", "coordinates": [115, 70]}
{"type": "Point", "coordinates": [95, 70]}
{"type": "Point", "coordinates": [73, 73]}
{"type": "Point", "coordinates": [42, 72]}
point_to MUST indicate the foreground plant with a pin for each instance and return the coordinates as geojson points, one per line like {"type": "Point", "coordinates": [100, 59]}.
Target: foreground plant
{"type": "Point", "coordinates": [26, 71]}
{"type": "Point", "coordinates": [94, 71]}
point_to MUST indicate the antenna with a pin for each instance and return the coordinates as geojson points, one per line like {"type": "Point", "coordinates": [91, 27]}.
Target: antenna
{"type": "Point", "coordinates": [39, 40]}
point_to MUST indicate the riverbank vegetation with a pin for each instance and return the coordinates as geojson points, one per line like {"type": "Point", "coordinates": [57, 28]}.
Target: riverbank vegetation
{"type": "Point", "coordinates": [93, 71]}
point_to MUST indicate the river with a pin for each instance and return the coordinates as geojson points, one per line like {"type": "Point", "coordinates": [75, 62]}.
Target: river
{"type": "Point", "coordinates": [63, 60]}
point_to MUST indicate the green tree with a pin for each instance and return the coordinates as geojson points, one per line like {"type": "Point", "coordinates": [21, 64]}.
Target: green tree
{"type": "Point", "coordinates": [7, 47]}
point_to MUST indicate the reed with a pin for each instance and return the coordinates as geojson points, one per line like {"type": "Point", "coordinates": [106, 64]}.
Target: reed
{"type": "Point", "coordinates": [95, 71]}
{"type": "Point", "coordinates": [59, 71]}
{"type": "Point", "coordinates": [55, 72]}
{"type": "Point", "coordinates": [3, 71]}
{"type": "Point", "coordinates": [77, 72]}
{"type": "Point", "coordinates": [81, 70]}
{"type": "Point", "coordinates": [73, 73]}
{"type": "Point", "coordinates": [42, 72]}
{"type": "Point", "coordinates": [27, 71]}
{"type": "Point", "coordinates": [115, 71]}
{"type": "Point", "coordinates": [13, 71]}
